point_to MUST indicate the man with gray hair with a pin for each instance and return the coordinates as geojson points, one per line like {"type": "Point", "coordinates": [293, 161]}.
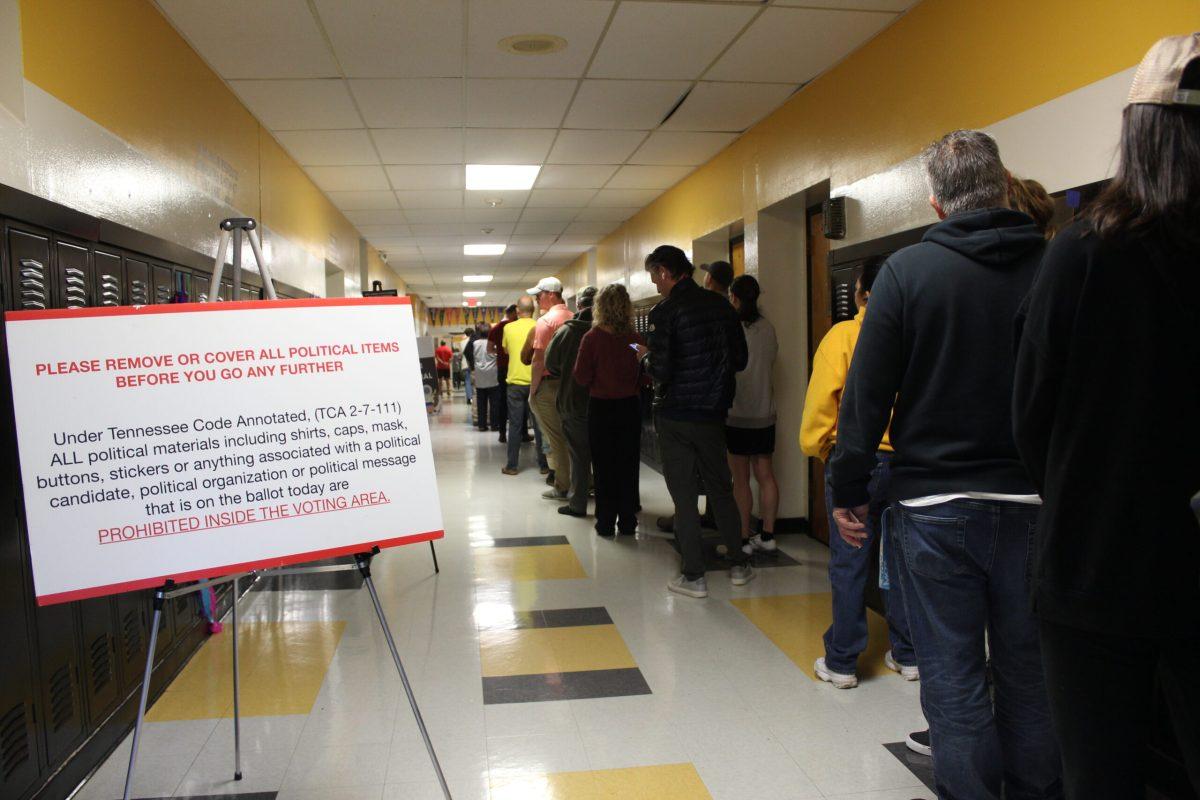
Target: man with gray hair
{"type": "Point", "coordinates": [937, 347]}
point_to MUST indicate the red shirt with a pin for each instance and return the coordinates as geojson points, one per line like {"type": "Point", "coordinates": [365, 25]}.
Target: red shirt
{"type": "Point", "coordinates": [496, 337]}
{"type": "Point", "coordinates": [607, 365]}
{"type": "Point", "coordinates": [444, 355]}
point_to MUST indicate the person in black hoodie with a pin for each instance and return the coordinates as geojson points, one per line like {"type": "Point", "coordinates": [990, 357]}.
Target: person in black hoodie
{"type": "Point", "coordinates": [937, 346]}
{"type": "Point", "coordinates": [1107, 415]}
{"type": "Point", "coordinates": [696, 348]}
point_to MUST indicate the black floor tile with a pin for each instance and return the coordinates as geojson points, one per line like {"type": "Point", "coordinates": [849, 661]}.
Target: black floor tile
{"type": "Point", "coordinates": [313, 582]}
{"type": "Point", "coordinates": [565, 686]}
{"type": "Point", "coordinates": [919, 765]}
{"type": "Point", "coordinates": [554, 618]}
{"type": "Point", "coordinates": [527, 541]}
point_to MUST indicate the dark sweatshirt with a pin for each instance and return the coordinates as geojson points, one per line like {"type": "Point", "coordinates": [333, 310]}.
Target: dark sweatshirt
{"type": "Point", "coordinates": [1107, 419]}
{"type": "Point", "coordinates": [937, 345]}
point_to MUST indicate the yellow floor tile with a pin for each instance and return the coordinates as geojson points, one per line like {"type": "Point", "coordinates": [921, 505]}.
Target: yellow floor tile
{"type": "Point", "coordinates": [661, 782]}
{"type": "Point", "coordinates": [795, 623]}
{"type": "Point", "coordinates": [283, 665]}
{"type": "Point", "coordinates": [538, 651]}
{"type": "Point", "coordinates": [536, 563]}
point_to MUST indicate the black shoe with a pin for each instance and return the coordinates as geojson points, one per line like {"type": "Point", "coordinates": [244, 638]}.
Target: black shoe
{"type": "Point", "coordinates": [918, 742]}
{"type": "Point", "coordinates": [628, 531]}
{"type": "Point", "coordinates": [707, 520]}
{"type": "Point", "coordinates": [550, 478]}
{"type": "Point", "coordinates": [607, 533]}
{"type": "Point", "coordinates": [527, 438]}
{"type": "Point", "coordinates": [666, 524]}
{"type": "Point", "coordinates": [483, 430]}
{"type": "Point", "coordinates": [567, 511]}
{"type": "Point", "coordinates": [503, 439]}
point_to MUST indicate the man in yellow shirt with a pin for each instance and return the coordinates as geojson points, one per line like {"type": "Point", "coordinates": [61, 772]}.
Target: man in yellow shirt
{"type": "Point", "coordinates": [519, 377]}
{"type": "Point", "coordinates": [850, 561]}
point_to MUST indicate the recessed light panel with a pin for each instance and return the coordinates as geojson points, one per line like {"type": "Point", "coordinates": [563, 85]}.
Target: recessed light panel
{"type": "Point", "coordinates": [501, 177]}
{"type": "Point", "coordinates": [477, 278]}
{"type": "Point", "coordinates": [474, 294]}
{"type": "Point", "coordinates": [484, 249]}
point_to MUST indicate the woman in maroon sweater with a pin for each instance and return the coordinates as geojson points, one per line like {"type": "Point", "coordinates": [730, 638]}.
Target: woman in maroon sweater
{"type": "Point", "coordinates": [607, 365]}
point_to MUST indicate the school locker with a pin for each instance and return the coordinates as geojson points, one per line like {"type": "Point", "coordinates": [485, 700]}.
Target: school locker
{"type": "Point", "coordinates": [29, 270]}
{"type": "Point", "coordinates": [101, 678]}
{"type": "Point", "coordinates": [74, 275]}
{"type": "Point", "coordinates": [137, 281]}
{"type": "Point", "coordinates": [109, 278]}
{"type": "Point", "coordinates": [61, 700]}
{"type": "Point", "coordinates": [164, 284]}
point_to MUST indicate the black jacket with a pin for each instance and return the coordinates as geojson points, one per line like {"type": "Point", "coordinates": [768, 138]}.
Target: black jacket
{"type": "Point", "coordinates": [560, 360]}
{"type": "Point", "coordinates": [937, 344]}
{"type": "Point", "coordinates": [697, 347]}
{"type": "Point", "coordinates": [469, 350]}
{"type": "Point", "coordinates": [1107, 416]}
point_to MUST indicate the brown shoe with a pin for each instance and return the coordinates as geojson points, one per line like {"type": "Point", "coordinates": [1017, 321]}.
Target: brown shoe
{"type": "Point", "coordinates": [508, 471]}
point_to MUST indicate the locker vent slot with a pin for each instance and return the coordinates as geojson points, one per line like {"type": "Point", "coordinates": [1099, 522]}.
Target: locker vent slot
{"type": "Point", "coordinates": [76, 287]}
{"type": "Point", "coordinates": [62, 699]}
{"type": "Point", "coordinates": [139, 293]}
{"type": "Point", "coordinates": [202, 297]}
{"type": "Point", "coordinates": [33, 284]}
{"type": "Point", "coordinates": [162, 294]}
{"type": "Point", "coordinates": [131, 628]}
{"type": "Point", "coordinates": [102, 668]}
{"type": "Point", "coordinates": [110, 290]}
{"type": "Point", "coordinates": [14, 741]}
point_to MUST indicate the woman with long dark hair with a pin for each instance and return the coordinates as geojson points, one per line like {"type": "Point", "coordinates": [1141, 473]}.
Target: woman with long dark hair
{"type": "Point", "coordinates": [750, 426]}
{"type": "Point", "coordinates": [1107, 420]}
{"type": "Point", "coordinates": [608, 366]}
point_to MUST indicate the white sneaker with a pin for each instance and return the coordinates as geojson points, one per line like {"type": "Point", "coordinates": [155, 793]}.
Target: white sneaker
{"type": "Point", "coordinates": [554, 494]}
{"type": "Point", "coordinates": [748, 548]}
{"type": "Point", "coordinates": [741, 574]}
{"type": "Point", "coordinates": [681, 585]}
{"type": "Point", "coordinates": [839, 680]}
{"type": "Point", "coordinates": [756, 542]}
{"type": "Point", "coordinates": [909, 673]}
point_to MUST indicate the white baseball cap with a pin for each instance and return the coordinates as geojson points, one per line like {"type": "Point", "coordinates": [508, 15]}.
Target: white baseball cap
{"type": "Point", "coordinates": [546, 285]}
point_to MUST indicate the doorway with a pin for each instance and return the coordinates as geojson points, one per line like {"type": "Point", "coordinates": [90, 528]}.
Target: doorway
{"type": "Point", "coordinates": [820, 320]}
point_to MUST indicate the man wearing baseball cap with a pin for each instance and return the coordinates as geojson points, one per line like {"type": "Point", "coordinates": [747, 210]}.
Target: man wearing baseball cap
{"type": "Point", "coordinates": [718, 277]}
{"type": "Point", "coordinates": [543, 391]}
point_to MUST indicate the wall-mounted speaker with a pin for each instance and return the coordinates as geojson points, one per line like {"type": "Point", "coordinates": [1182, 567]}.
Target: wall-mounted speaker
{"type": "Point", "coordinates": [834, 212]}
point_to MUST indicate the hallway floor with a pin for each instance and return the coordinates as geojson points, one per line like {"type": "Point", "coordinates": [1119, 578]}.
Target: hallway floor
{"type": "Point", "coordinates": [548, 663]}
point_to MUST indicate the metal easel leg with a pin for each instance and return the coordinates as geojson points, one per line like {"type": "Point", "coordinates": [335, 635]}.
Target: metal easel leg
{"type": "Point", "coordinates": [159, 595]}
{"type": "Point", "coordinates": [363, 560]}
{"type": "Point", "coordinates": [237, 720]}
{"type": "Point", "coordinates": [433, 552]}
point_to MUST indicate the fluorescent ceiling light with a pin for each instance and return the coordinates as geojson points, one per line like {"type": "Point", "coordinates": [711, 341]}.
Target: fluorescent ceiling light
{"type": "Point", "coordinates": [501, 177]}
{"type": "Point", "coordinates": [477, 278]}
{"type": "Point", "coordinates": [484, 249]}
{"type": "Point", "coordinates": [474, 294]}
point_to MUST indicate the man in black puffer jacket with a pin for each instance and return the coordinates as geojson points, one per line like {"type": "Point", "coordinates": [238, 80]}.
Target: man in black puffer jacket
{"type": "Point", "coordinates": [696, 348]}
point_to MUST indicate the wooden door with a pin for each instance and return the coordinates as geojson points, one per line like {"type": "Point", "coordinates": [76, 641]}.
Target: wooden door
{"type": "Point", "coordinates": [820, 320]}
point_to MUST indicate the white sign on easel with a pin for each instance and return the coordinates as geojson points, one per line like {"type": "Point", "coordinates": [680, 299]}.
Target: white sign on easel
{"type": "Point", "coordinates": [187, 441]}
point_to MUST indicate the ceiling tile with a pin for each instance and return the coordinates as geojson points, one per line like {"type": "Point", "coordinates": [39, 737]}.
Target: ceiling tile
{"type": "Point", "coordinates": [540, 228]}
{"type": "Point", "coordinates": [796, 44]}
{"type": "Point", "coordinates": [403, 254]}
{"type": "Point", "coordinates": [394, 38]}
{"type": "Point", "coordinates": [568, 248]}
{"type": "Point", "coordinates": [638, 105]}
{"type": "Point", "coordinates": [681, 147]}
{"type": "Point", "coordinates": [574, 176]}
{"type": "Point", "coordinates": [434, 215]}
{"type": "Point", "coordinates": [642, 177]}
{"type": "Point", "coordinates": [508, 145]}
{"type": "Point", "coordinates": [865, 5]}
{"type": "Point", "coordinates": [419, 145]}
{"type": "Point", "coordinates": [634, 47]}
{"type": "Point", "coordinates": [422, 231]}
{"type": "Point", "coordinates": [430, 198]}
{"type": "Point", "coordinates": [572, 239]}
{"type": "Point", "coordinates": [615, 214]}
{"type": "Point", "coordinates": [594, 147]}
{"type": "Point", "coordinates": [591, 228]}
{"type": "Point", "coordinates": [348, 179]}
{"type": "Point", "coordinates": [727, 106]}
{"type": "Point", "coordinates": [327, 148]}
{"type": "Point", "coordinates": [549, 214]}
{"type": "Point", "coordinates": [580, 22]}
{"type": "Point", "coordinates": [502, 103]}
{"type": "Point", "coordinates": [492, 214]}
{"type": "Point", "coordinates": [410, 103]}
{"type": "Point", "coordinates": [425, 176]}
{"type": "Point", "coordinates": [487, 199]}
{"type": "Point", "coordinates": [393, 232]}
{"type": "Point", "coordinates": [531, 240]}
{"type": "Point", "coordinates": [377, 216]}
{"type": "Point", "coordinates": [264, 39]}
{"type": "Point", "coordinates": [488, 228]}
{"type": "Point", "coordinates": [299, 105]}
{"type": "Point", "coordinates": [624, 197]}
{"type": "Point", "coordinates": [564, 198]}
{"type": "Point", "coordinates": [559, 259]}
{"type": "Point", "coordinates": [354, 201]}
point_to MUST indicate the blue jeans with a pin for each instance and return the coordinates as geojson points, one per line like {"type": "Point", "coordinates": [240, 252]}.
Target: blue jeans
{"type": "Point", "coordinates": [518, 411]}
{"type": "Point", "coordinates": [964, 572]}
{"type": "Point", "coordinates": [849, 571]}
{"type": "Point", "coordinates": [467, 385]}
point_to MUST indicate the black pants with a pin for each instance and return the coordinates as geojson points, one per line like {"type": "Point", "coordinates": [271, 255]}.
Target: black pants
{"type": "Point", "coordinates": [692, 451]}
{"type": "Point", "coordinates": [1101, 690]}
{"type": "Point", "coordinates": [487, 407]}
{"type": "Point", "coordinates": [502, 404]}
{"type": "Point", "coordinates": [614, 435]}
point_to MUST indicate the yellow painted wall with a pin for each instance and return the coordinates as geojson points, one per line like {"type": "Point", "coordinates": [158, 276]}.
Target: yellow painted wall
{"type": "Point", "coordinates": [946, 64]}
{"type": "Point", "coordinates": [121, 64]}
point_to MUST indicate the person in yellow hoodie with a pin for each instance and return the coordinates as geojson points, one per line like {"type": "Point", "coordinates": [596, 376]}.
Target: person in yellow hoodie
{"type": "Point", "coordinates": [850, 561]}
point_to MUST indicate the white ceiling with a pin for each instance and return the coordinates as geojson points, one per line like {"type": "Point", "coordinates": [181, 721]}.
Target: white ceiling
{"type": "Point", "coordinates": [383, 102]}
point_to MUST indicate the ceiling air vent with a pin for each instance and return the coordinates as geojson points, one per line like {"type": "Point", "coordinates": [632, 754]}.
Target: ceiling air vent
{"type": "Point", "coordinates": [532, 44]}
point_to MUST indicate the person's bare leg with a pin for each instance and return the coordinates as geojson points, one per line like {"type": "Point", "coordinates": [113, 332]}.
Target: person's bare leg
{"type": "Point", "coordinates": [740, 467]}
{"type": "Point", "coordinates": [768, 491]}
